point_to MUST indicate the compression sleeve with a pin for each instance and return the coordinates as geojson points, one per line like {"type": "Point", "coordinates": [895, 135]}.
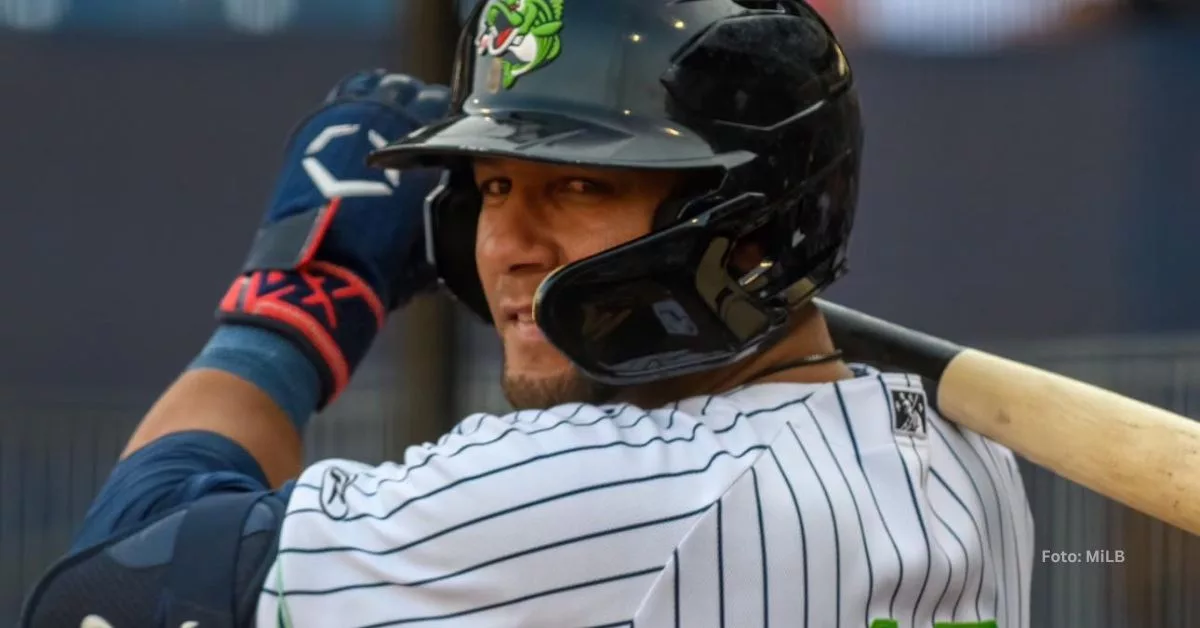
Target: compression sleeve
{"type": "Point", "coordinates": [166, 474]}
{"type": "Point", "coordinates": [271, 362]}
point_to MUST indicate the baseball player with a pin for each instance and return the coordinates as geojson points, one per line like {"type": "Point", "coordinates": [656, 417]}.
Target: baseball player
{"type": "Point", "coordinates": [643, 197]}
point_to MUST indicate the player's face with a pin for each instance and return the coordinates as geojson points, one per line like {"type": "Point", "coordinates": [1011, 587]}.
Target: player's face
{"type": "Point", "coordinates": [536, 218]}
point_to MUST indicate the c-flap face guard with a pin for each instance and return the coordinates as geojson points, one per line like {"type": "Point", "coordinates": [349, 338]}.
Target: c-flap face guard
{"type": "Point", "coordinates": [670, 302]}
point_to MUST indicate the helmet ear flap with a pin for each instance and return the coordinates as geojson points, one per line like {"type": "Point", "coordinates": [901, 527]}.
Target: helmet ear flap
{"type": "Point", "coordinates": [451, 221]}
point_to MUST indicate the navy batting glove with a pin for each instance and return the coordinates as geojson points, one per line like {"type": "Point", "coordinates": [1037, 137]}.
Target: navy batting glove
{"type": "Point", "coordinates": [342, 243]}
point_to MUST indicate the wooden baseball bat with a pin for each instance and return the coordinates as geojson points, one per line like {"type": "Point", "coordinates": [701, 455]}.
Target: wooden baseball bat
{"type": "Point", "coordinates": [1142, 456]}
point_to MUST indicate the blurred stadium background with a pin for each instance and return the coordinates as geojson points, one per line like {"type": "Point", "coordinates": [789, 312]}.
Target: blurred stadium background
{"type": "Point", "coordinates": [1032, 186]}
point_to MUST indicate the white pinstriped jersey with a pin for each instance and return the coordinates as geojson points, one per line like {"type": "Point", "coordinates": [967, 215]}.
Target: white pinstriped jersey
{"type": "Point", "coordinates": [818, 505]}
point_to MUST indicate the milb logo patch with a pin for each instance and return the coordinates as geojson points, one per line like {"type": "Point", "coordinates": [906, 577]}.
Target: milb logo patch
{"type": "Point", "coordinates": [908, 412]}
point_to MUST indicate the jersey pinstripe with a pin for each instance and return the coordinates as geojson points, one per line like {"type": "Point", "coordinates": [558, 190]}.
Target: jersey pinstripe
{"type": "Point", "coordinates": [822, 505]}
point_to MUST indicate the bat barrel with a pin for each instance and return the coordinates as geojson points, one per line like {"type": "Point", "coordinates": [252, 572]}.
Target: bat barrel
{"type": "Point", "coordinates": [1142, 456]}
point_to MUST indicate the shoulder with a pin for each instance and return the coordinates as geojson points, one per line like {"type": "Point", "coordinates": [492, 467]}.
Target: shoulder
{"type": "Point", "coordinates": [530, 453]}
{"type": "Point", "coordinates": [533, 492]}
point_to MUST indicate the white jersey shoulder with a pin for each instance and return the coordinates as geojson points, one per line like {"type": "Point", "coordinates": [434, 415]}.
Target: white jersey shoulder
{"type": "Point", "coordinates": [822, 505]}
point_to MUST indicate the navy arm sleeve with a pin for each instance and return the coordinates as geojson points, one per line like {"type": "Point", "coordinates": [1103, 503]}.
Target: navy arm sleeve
{"type": "Point", "coordinates": [183, 531]}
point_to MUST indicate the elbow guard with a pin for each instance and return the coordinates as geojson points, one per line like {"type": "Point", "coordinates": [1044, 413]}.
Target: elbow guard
{"type": "Point", "coordinates": [200, 565]}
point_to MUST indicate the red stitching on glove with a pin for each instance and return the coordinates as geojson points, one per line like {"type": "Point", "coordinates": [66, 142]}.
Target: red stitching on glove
{"type": "Point", "coordinates": [324, 219]}
{"type": "Point", "coordinates": [243, 297]}
{"type": "Point", "coordinates": [357, 288]}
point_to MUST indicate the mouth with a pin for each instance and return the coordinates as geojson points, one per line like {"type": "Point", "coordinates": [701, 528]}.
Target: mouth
{"type": "Point", "coordinates": [497, 42]}
{"type": "Point", "coordinates": [499, 35]}
{"type": "Point", "coordinates": [518, 319]}
{"type": "Point", "coordinates": [518, 313]}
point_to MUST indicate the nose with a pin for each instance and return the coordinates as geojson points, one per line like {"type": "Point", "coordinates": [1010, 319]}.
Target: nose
{"type": "Point", "coordinates": [513, 240]}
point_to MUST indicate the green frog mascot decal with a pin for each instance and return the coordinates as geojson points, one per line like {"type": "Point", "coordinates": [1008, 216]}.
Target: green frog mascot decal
{"type": "Point", "coordinates": [520, 35]}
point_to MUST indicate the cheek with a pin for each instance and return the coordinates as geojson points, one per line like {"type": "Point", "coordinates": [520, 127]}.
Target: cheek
{"type": "Point", "coordinates": [485, 259]}
{"type": "Point", "coordinates": [606, 230]}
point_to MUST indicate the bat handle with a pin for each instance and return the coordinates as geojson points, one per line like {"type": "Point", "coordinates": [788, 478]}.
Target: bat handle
{"type": "Point", "coordinates": [864, 337]}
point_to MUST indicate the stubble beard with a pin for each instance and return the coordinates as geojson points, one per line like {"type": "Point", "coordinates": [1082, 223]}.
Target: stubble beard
{"type": "Point", "coordinates": [528, 393]}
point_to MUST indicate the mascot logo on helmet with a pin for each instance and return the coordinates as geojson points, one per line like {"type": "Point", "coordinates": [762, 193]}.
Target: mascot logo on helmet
{"type": "Point", "coordinates": [520, 36]}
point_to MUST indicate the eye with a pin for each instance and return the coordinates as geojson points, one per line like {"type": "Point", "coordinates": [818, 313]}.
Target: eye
{"type": "Point", "coordinates": [495, 187]}
{"type": "Point", "coordinates": [586, 187]}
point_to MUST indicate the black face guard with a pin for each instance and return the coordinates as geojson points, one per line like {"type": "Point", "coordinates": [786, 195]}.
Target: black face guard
{"type": "Point", "coordinates": [665, 302]}
{"type": "Point", "coordinates": [678, 300]}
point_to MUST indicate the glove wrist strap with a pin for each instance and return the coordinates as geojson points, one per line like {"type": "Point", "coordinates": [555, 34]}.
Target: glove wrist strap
{"type": "Point", "coordinates": [331, 313]}
{"type": "Point", "coordinates": [327, 310]}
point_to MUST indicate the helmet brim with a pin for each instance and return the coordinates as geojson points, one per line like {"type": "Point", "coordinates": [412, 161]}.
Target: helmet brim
{"type": "Point", "coordinates": [621, 142]}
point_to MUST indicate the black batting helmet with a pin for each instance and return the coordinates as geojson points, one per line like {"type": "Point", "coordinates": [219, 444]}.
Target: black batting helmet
{"type": "Point", "coordinates": [754, 97]}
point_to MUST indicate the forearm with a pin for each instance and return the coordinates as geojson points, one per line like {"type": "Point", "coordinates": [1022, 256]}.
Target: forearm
{"type": "Point", "coordinates": [222, 403]}
{"type": "Point", "coordinates": [249, 385]}
{"type": "Point", "coordinates": [232, 421]}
